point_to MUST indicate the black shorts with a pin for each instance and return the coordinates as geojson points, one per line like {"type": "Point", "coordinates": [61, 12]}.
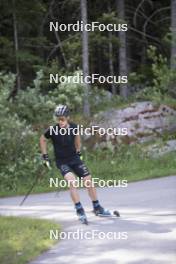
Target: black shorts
{"type": "Point", "coordinates": [75, 165]}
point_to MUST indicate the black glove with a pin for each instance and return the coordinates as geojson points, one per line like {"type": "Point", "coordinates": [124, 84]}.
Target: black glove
{"type": "Point", "coordinates": [79, 154]}
{"type": "Point", "coordinates": [46, 161]}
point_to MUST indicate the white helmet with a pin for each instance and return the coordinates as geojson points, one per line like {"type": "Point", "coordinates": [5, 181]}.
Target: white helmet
{"type": "Point", "coordinates": [61, 110]}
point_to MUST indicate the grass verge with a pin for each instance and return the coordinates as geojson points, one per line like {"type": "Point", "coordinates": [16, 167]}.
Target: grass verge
{"type": "Point", "coordinates": [132, 164]}
{"type": "Point", "coordinates": [23, 239]}
{"type": "Point", "coordinates": [129, 163]}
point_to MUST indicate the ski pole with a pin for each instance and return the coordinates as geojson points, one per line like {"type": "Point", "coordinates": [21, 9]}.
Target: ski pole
{"type": "Point", "coordinates": [30, 190]}
{"type": "Point", "coordinates": [33, 185]}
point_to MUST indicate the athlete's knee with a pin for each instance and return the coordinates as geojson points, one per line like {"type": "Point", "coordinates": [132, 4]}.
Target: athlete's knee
{"type": "Point", "coordinates": [88, 181]}
{"type": "Point", "coordinates": [71, 180]}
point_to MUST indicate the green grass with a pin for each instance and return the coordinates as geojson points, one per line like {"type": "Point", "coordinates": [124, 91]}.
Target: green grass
{"type": "Point", "coordinates": [129, 163]}
{"type": "Point", "coordinates": [23, 239]}
{"type": "Point", "coordinates": [21, 187]}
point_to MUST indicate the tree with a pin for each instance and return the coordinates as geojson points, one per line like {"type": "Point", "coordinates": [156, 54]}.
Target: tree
{"type": "Point", "coordinates": [85, 57]}
{"type": "Point", "coordinates": [15, 30]}
{"type": "Point", "coordinates": [123, 71]}
{"type": "Point", "coordinates": [173, 32]}
{"type": "Point", "coordinates": [37, 47]}
{"type": "Point", "coordinates": [111, 66]}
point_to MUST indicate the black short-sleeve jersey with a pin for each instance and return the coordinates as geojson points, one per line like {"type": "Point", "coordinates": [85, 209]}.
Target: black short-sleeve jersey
{"type": "Point", "coordinates": [63, 140]}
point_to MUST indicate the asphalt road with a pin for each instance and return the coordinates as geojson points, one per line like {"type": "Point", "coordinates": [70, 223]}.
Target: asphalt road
{"type": "Point", "coordinates": [145, 232]}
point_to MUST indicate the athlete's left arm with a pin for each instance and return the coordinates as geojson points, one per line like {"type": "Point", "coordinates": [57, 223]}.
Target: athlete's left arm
{"type": "Point", "coordinates": [78, 143]}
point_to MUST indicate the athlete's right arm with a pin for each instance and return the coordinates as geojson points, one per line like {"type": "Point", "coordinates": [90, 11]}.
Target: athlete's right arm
{"type": "Point", "coordinates": [43, 144]}
{"type": "Point", "coordinates": [43, 147]}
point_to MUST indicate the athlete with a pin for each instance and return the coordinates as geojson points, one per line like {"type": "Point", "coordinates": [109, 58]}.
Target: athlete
{"type": "Point", "coordinates": [67, 150]}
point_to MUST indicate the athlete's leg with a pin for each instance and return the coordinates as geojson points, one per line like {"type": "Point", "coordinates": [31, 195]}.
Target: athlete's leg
{"type": "Point", "coordinates": [66, 171]}
{"type": "Point", "coordinates": [91, 189]}
{"type": "Point", "coordinates": [97, 208]}
{"type": "Point", "coordinates": [75, 197]}
{"type": "Point", "coordinates": [82, 171]}
{"type": "Point", "coordinates": [71, 179]}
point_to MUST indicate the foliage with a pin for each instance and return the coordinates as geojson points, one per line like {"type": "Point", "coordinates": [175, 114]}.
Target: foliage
{"type": "Point", "coordinates": [19, 158]}
{"type": "Point", "coordinates": [38, 47]}
{"type": "Point", "coordinates": [162, 87]}
{"type": "Point", "coordinates": [19, 147]}
{"type": "Point", "coordinates": [69, 93]}
{"type": "Point", "coordinates": [36, 107]}
{"type": "Point", "coordinates": [23, 239]}
{"type": "Point", "coordinates": [22, 120]}
{"type": "Point", "coordinates": [163, 77]}
{"type": "Point", "coordinates": [31, 105]}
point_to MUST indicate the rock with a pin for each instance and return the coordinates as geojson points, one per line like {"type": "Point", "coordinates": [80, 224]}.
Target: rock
{"type": "Point", "coordinates": [157, 150]}
{"type": "Point", "coordinates": [144, 121]}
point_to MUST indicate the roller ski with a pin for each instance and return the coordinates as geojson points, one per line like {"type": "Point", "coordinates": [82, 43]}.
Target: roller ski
{"type": "Point", "coordinates": [100, 211]}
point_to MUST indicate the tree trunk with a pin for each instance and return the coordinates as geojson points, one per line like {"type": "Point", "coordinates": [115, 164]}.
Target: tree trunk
{"type": "Point", "coordinates": [173, 31]}
{"type": "Point", "coordinates": [59, 42]}
{"type": "Point", "coordinates": [111, 66]}
{"type": "Point", "coordinates": [85, 58]}
{"type": "Point", "coordinates": [123, 70]}
{"type": "Point", "coordinates": [15, 32]}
